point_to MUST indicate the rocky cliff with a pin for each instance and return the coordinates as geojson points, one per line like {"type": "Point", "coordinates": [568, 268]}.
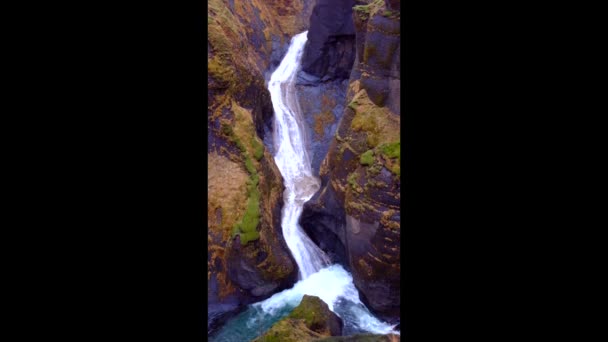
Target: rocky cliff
{"type": "Point", "coordinates": [349, 92]}
{"type": "Point", "coordinates": [247, 257]}
{"type": "Point", "coordinates": [355, 216]}
{"type": "Point", "coordinates": [327, 62]}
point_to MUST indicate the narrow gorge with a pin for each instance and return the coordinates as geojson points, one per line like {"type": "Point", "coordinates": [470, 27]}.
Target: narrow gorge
{"type": "Point", "coordinates": [304, 170]}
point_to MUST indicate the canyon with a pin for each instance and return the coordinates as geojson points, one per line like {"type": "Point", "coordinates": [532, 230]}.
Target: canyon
{"type": "Point", "coordinates": [347, 88]}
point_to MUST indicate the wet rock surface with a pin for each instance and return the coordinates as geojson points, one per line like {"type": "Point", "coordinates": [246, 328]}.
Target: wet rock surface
{"type": "Point", "coordinates": [322, 105]}
{"type": "Point", "coordinates": [349, 92]}
{"type": "Point", "coordinates": [355, 217]}
{"type": "Point", "coordinates": [329, 51]}
{"type": "Point", "coordinates": [248, 259]}
{"type": "Point", "coordinates": [309, 321]}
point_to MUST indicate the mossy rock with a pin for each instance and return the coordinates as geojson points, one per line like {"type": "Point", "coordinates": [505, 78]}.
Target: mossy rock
{"type": "Point", "coordinates": [367, 158]}
{"type": "Point", "coordinates": [309, 321]}
{"type": "Point", "coordinates": [316, 315]}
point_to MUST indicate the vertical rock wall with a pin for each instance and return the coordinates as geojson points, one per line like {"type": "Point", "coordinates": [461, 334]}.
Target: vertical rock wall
{"type": "Point", "coordinates": [248, 259]}
{"type": "Point", "coordinates": [356, 214]}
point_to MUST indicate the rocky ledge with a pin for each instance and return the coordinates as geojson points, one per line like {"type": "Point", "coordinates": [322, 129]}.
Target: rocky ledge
{"type": "Point", "coordinates": [309, 321]}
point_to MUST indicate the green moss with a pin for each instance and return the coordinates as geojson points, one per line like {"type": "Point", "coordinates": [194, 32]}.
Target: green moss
{"type": "Point", "coordinates": [352, 206]}
{"type": "Point", "coordinates": [391, 14]}
{"type": "Point", "coordinates": [241, 147]}
{"type": "Point", "coordinates": [396, 169]}
{"type": "Point", "coordinates": [249, 164]}
{"type": "Point", "coordinates": [352, 180]}
{"type": "Point", "coordinates": [309, 321]}
{"type": "Point", "coordinates": [367, 158]}
{"type": "Point", "coordinates": [312, 310]}
{"type": "Point", "coordinates": [247, 227]}
{"type": "Point", "coordinates": [367, 122]}
{"type": "Point", "coordinates": [392, 150]}
{"type": "Point", "coordinates": [258, 148]}
{"type": "Point", "coordinates": [366, 11]}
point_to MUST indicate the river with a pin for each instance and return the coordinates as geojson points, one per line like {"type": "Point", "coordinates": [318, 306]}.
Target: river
{"type": "Point", "coordinates": [332, 283]}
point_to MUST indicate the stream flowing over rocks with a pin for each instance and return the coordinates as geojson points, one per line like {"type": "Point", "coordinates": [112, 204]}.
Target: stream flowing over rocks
{"type": "Point", "coordinates": [303, 167]}
{"type": "Point", "coordinates": [332, 284]}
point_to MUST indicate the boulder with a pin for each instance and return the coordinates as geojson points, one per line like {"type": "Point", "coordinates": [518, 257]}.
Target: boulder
{"type": "Point", "coordinates": [309, 321]}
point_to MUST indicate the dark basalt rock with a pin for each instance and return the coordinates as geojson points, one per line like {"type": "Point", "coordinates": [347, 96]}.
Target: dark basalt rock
{"type": "Point", "coordinates": [329, 51]}
{"type": "Point", "coordinates": [355, 216]}
{"type": "Point", "coordinates": [306, 79]}
{"type": "Point", "coordinates": [393, 4]}
{"type": "Point", "coordinates": [323, 220]}
{"type": "Point", "coordinates": [322, 105]}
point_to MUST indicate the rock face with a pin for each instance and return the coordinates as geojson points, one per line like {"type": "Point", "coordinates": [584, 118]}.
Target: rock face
{"type": "Point", "coordinates": [355, 216]}
{"type": "Point", "coordinates": [326, 66]}
{"type": "Point", "coordinates": [247, 258]}
{"type": "Point", "coordinates": [309, 321]}
{"type": "Point", "coordinates": [329, 49]}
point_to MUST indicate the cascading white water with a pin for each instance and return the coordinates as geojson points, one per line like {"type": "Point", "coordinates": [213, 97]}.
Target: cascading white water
{"type": "Point", "coordinates": [293, 161]}
{"type": "Point", "coordinates": [332, 284]}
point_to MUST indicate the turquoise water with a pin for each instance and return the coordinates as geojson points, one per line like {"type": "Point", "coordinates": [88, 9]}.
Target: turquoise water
{"type": "Point", "coordinates": [249, 324]}
{"type": "Point", "coordinates": [333, 285]}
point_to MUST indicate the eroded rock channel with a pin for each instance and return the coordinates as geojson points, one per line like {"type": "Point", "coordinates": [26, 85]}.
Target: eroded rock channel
{"type": "Point", "coordinates": [312, 202]}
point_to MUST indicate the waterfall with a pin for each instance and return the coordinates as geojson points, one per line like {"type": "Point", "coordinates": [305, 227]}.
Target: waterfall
{"type": "Point", "coordinates": [293, 161]}
{"type": "Point", "coordinates": [331, 283]}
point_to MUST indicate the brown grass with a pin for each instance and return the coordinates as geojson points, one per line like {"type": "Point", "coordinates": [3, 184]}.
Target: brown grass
{"type": "Point", "coordinates": [226, 190]}
{"type": "Point", "coordinates": [379, 123]}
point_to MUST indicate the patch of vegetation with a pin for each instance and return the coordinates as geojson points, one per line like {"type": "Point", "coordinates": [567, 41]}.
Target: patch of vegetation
{"type": "Point", "coordinates": [352, 180]}
{"type": "Point", "coordinates": [392, 150]}
{"type": "Point", "coordinates": [374, 170]}
{"type": "Point", "coordinates": [367, 158]}
{"type": "Point", "coordinates": [391, 14]}
{"type": "Point", "coordinates": [396, 169]}
{"type": "Point", "coordinates": [352, 207]}
{"type": "Point", "coordinates": [258, 148]}
{"type": "Point", "coordinates": [366, 11]}
{"type": "Point", "coordinates": [249, 165]}
{"type": "Point", "coordinates": [247, 227]}
{"type": "Point", "coordinates": [313, 311]}
{"type": "Point", "coordinates": [379, 123]}
{"type": "Point", "coordinates": [366, 121]}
